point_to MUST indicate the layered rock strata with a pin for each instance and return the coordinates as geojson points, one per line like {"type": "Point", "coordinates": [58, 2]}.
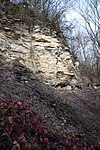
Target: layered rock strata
{"type": "Point", "coordinates": [41, 51]}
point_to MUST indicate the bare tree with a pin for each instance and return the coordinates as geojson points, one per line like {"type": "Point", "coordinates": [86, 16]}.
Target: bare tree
{"type": "Point", "coordinates": [90, 12]}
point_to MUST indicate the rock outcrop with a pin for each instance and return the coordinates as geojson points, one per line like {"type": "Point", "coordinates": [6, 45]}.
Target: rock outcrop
{"type": "Point", "coordinates": [39, 50]}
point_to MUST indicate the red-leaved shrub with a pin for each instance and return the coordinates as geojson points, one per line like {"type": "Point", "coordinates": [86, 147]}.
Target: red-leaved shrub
{"type": "Point", "coordinates": [21, 129]}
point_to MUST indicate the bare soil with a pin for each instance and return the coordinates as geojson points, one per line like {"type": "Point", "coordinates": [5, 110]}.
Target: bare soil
{"type": "Point", "coordinates": [73, 112]}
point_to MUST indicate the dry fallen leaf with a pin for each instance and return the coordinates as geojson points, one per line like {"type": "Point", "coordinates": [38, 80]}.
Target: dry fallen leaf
{"type": "Point", "coordinates": [29, 146]}
{"type": "Point", "coordinates": [16, 146]}
{"type": "Point", "coordinates": [10, 119]}
{"type": "Point", "coordinates": [15, 142]}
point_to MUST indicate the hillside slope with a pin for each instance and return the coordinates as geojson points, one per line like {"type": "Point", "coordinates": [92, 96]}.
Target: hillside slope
{"type": "Point", "coordinates": [71, 112]}
{"type": "Point", "coordinates": [37, 67]}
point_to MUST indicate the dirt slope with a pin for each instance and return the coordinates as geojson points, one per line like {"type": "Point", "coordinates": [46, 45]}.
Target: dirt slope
{"type": "Point", "coordinates": [72, 112]}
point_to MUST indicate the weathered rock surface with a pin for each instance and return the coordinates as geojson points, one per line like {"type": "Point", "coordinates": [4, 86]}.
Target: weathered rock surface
{"type": "Point", "coordinates": [42, 52]}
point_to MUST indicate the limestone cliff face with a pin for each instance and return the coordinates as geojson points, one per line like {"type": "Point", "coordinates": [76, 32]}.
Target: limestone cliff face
{"type": "Point", "coordinates": [42, 52]}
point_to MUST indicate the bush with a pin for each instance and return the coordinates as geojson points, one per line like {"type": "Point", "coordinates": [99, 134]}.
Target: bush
{"type": "Point", "coordinates": [21, 129]}
{"type": "Point", "coordinates": [19, 125]}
